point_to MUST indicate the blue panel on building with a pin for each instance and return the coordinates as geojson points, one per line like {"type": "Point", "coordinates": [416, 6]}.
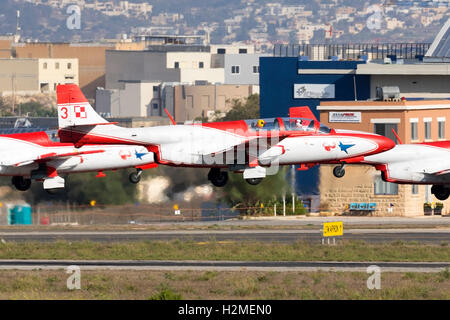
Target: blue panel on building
{"type": "Point", "coordinates": [278, 75]}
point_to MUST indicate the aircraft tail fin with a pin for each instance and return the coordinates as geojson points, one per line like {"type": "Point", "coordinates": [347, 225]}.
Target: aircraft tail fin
{"type": "Point", "coordinates": [301, 112]}
{"type": "Point", "coordinates": [74, 109]}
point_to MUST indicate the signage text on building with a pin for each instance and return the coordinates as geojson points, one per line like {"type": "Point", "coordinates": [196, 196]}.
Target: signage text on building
{"type": "Point", "coordinates": [344, 116]}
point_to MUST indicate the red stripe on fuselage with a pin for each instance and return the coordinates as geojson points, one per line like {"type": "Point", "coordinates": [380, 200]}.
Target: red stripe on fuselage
{"type": "Point", "coordinates": [439, 144]}
{"type": "Point", "coordinates": [40, 138]}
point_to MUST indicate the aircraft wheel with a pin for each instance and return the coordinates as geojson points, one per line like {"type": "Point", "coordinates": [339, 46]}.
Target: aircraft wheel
{"type": "Point", "coordinates": [52, 191]}
{"type": "Point", "coordinates": [440, 192]}
{"type": "Point", "coordinates": [254, 181]}
{"type": "Point", "coordinates": [135, 177]}
{"type": "Point", "coordinates": [339, 172]}
{"type": "Point", "coordinates": [20, 183]}
{"type": "Point", "coordinates": [218, 178]}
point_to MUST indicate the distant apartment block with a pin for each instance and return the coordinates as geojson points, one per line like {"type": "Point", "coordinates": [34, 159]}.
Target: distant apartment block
{"type": "Point", "coordinates": [133, 99]}
{"type": "Point", "coordinates": [242, 69]}
{"type": "Point", "coordinates": [31, 76]}
{"type": "Point", "coordinates": [90, 56]}
{"type": "Point", "coordinates": [143, 83]}
{"type": "Point", "coordinates": [204, 101]}
{"type": "Point", "coordinates": [189, 64]}
{"type": "Point", "coordinates": [184, 102]}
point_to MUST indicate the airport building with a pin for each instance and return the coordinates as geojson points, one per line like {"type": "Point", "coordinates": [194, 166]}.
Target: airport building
{"type": "Point", "coordinates": [415, 121]}
{"type": "Point", "coordinates": [345, 79]}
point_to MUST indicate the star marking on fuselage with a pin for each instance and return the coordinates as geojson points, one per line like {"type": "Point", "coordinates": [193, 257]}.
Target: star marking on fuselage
{"type": "Point", "coordinates": [344, 147]}
{"type": "Point", "coordinates": [139, 155]}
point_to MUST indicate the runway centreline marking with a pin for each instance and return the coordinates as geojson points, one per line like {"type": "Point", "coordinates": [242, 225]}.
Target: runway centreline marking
{"type": "Point", "coordinates": [224, 265]}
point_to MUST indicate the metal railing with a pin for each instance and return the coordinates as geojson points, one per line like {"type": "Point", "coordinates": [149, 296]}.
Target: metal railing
{"type": "Point", "coordinates": [351, 51]}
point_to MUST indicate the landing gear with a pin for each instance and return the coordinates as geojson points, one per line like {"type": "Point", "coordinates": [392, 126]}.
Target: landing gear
{"type": "Point", "coordinates": [21, 183]}
{"type": "Point", "coordinates": [440, 192]}
{"type": "Point", "coordinates": [52, 192]}
{"type": "Point", "coordinates": [217, 177]}
{"type": "Point", "coordinates": [254, 181]}
{"type": "Point", "coordinates": [339, 171]}
{"type": "Point", "coordinates": [135, 177]}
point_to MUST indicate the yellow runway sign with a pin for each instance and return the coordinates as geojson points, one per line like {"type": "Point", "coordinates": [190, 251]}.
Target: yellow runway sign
{"type": "Point", "coordinates": [333, 229]}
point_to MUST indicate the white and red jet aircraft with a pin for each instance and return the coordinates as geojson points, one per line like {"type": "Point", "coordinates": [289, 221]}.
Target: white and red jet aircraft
{"type": "Point", "coordinates": [33, 156]}
{"type": "Point", "coordinates": [421, 163]}
{"type": "Point", "coordinates": [253, 147]}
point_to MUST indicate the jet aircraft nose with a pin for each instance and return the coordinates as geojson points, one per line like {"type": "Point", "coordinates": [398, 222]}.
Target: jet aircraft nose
{"type": "Point", "coordinates": [384, 143]}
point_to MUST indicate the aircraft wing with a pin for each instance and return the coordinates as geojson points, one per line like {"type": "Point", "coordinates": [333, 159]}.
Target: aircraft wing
{"type": "Point", "coordinates": [439, 169]}
{"type": "Point", "coordinates": [26, 159]}
{"type": "Point", "coordinates": [254, 147]}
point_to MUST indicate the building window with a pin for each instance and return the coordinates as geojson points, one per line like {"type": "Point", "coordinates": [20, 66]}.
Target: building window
{"type": "Point", "coordinates": [385, 129]}
{"type": "Point", "coordinates": [155, 106]}
{"type": "Point", "coordinates": [427, 129]}
{"type": "Point", "coordinates": [155, 88]}
{"type": "Point", "coordinates": [57, 65]}
{"type": "Point", "coordinates": [255, 69]}
{"type": "Point", "coordinates": [441, 128]}
{"type": "Point", "coordinates": [414, 131]}
{"type": "Point", "coordinates": [45, 87]}
{"type": "Point", "coordinates": [242, 50]}
{"type": "Point", "coordinates": [221, 51]}
{"type": "Point", "coordinates": [45, 65]}
{"type": "Point", "coordinates": [176, 65]}
{"type": "Point", "coordinates": [201, 64]}
{"type": "Point", "coordinates": [415, 189]}
{"type": "Point", "coordinates": [235, 69]}
{"type": "Point", "coordinates": [384, 188]}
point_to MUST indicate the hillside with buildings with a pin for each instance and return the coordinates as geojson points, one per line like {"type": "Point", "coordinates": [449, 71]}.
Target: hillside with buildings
{"type": "Point", "coordinates": [262, 23]}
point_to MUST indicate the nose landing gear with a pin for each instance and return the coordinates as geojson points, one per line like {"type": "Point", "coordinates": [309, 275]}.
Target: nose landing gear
{"type": "Point", "coordinates": [135, 177]}
{"type": "Point", "coordinates": [254, 181]}
{"type": "Point", "coordinates": [339, 171]}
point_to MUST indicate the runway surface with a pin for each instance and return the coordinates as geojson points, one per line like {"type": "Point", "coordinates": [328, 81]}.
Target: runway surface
{"type": "Point", "coordinates": [224, 265]}
{"type": "Point", "coordinates": [433, 236]}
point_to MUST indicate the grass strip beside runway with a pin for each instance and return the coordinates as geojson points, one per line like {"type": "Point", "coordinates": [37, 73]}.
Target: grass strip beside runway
{"type": "Point", "coordinates": [229, 250]}
{"type": "Point", "coordinates": [161, 285]}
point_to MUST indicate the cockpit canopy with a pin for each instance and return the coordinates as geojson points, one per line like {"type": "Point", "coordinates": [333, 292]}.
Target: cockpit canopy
{"type": "Point", "coordinates": [288, 124]}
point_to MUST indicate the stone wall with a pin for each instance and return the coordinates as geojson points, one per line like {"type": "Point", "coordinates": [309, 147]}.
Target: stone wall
{"type": "Point", "coordinates": [358, 186]}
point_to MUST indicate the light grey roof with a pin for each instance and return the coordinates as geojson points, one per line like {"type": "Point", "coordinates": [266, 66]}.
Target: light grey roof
{"type": "Point", "coordinates": [440, 48]}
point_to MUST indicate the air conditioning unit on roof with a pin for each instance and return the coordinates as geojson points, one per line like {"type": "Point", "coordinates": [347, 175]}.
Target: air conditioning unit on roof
{"type": "Point", "coordinates": [388, 93]}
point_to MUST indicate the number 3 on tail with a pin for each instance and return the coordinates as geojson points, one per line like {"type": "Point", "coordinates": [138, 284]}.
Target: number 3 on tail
{"type": "Point", "coordinates": [65, 113]}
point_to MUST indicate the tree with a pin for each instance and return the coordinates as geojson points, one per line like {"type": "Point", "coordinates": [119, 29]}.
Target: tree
{"type": "Point", "coordinates": [240, 110]}
{"type": "Point", "coordinates": [35, 109]}
{"type": "Point", "coordinates": [114, 189]}
{"type": "Point", "coordinates": [238, 193]}
{"type": "Point", "coordinates": [246, 198]}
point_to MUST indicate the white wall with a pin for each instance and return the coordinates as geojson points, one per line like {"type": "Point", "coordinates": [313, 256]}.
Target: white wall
{"type": "Point", "coordinates": [129, 101]}
{"type": "Point", "coordinates": [188, 60]}
{"type": "Point", "coordinates": [215, 75]}
{"type": "Point", "coordinates": [423, 86]}
{"type": "Point", "coordinates": [135, 100]}
{"type": "Point", "coordinates": [54, 76]}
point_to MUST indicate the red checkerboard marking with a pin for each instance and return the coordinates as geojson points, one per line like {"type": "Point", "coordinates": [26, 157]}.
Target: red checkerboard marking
{"type": "Point", "coordinates": [80, 112]}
